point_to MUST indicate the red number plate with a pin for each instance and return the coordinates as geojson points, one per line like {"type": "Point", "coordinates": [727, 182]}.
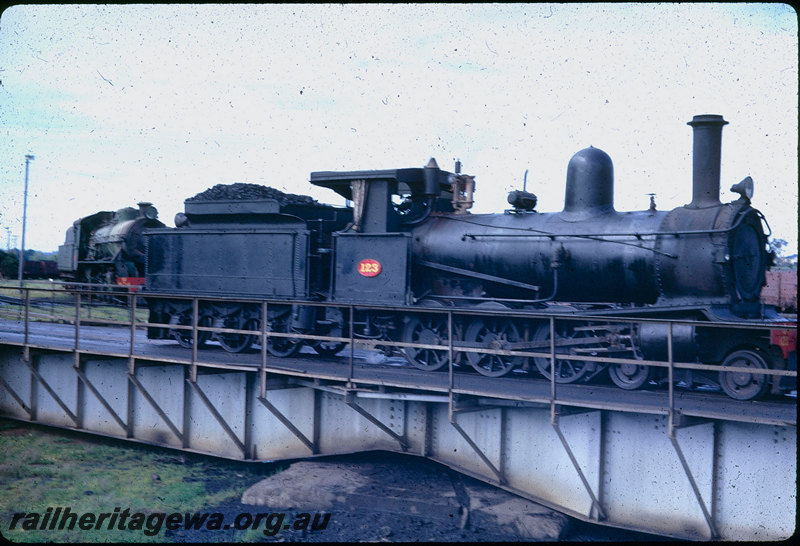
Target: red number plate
{"type": "Point", "coordinates": [369, 267]}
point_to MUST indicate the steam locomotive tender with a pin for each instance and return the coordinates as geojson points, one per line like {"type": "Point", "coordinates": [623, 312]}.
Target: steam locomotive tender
{"type": "Point", "coordinates": [409, 241]}
{"type": "Point", "coordinates": [108, 247]}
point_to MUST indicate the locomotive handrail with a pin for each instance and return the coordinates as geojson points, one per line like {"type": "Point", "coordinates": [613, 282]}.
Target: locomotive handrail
{"type": "Point", "coordinates": [530, 232]}
{"type": "Point", "coordinates": [593, 237]}
{"type": "Point", "coordinates": [769, 229]}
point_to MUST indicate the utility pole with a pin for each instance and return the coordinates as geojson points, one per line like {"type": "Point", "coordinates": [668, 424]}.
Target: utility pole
{"type": "Point", "coordinates": [28, 159]}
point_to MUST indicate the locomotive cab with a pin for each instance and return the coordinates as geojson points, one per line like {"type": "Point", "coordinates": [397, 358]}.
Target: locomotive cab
{"type": "Point", "coordinates": [373, 257]}
{"type": "Point", "coordinates": [397, 199]}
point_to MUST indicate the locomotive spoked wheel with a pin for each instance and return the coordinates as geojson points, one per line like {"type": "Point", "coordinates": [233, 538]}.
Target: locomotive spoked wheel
{"type": "Point", "coordinates": [427, 329]}
{"type": "Point", "coordinates": [743, 385]}
{"type": "Point", "coordinates": [282, 346]}
{"type": "Point", "coordinates": [567, 371]}
{"type": "Point", "coordinates": [184, 337]}
{"type": "Point", "coordinates": [629, 376]}
{"type": "Point", "coordinates": [237, 343]}
{"type": "Point", "coordinates": [497, 334]}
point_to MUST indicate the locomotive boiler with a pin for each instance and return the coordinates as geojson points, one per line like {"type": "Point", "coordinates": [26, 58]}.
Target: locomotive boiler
{"type": "Point", "coordinates": [409, 241]}
{"type": "Point", "coordinates": [702, 253]}
{"type": "Point", "coordinates": [108, 247]}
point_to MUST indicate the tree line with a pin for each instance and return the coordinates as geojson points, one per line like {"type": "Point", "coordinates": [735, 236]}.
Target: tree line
{"type": "Point", "coordinates": [9, 261]}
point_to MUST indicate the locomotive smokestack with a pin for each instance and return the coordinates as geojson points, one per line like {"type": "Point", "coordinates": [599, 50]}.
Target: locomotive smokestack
{"type": "Point", "coordinates": [706, 157]}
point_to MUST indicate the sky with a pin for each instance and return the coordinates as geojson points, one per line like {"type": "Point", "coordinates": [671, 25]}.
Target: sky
{"type": "Point", "coordinates": [127, 103]}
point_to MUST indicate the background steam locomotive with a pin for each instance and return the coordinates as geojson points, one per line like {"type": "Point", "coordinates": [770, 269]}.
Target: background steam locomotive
{"type": "Point", "coordinates": [107, 247]}
{"type": "Point", "coordinates": [409, 241]}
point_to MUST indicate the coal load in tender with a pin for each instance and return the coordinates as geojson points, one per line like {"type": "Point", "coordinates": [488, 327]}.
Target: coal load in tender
{"type": "Point", "coordinates": [248, 192]}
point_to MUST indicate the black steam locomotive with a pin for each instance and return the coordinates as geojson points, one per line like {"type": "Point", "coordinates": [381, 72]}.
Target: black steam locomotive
{"type": "Point", "coordinates": [107, 247]}
{"type": "Point", "coordinates": [409, 241]}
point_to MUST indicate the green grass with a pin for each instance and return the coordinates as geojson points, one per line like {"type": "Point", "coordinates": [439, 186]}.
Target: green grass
{"type": "Point", "coordinates": [40, 291]}
{"type": "Point", "coordinates": [42, 469]}
{"type": "Point", "coordinates": [55, 304]}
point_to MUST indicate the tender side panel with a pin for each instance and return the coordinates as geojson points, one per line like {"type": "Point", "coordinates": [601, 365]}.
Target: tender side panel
{"type": "Point", "coordinates": [246, 262]}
